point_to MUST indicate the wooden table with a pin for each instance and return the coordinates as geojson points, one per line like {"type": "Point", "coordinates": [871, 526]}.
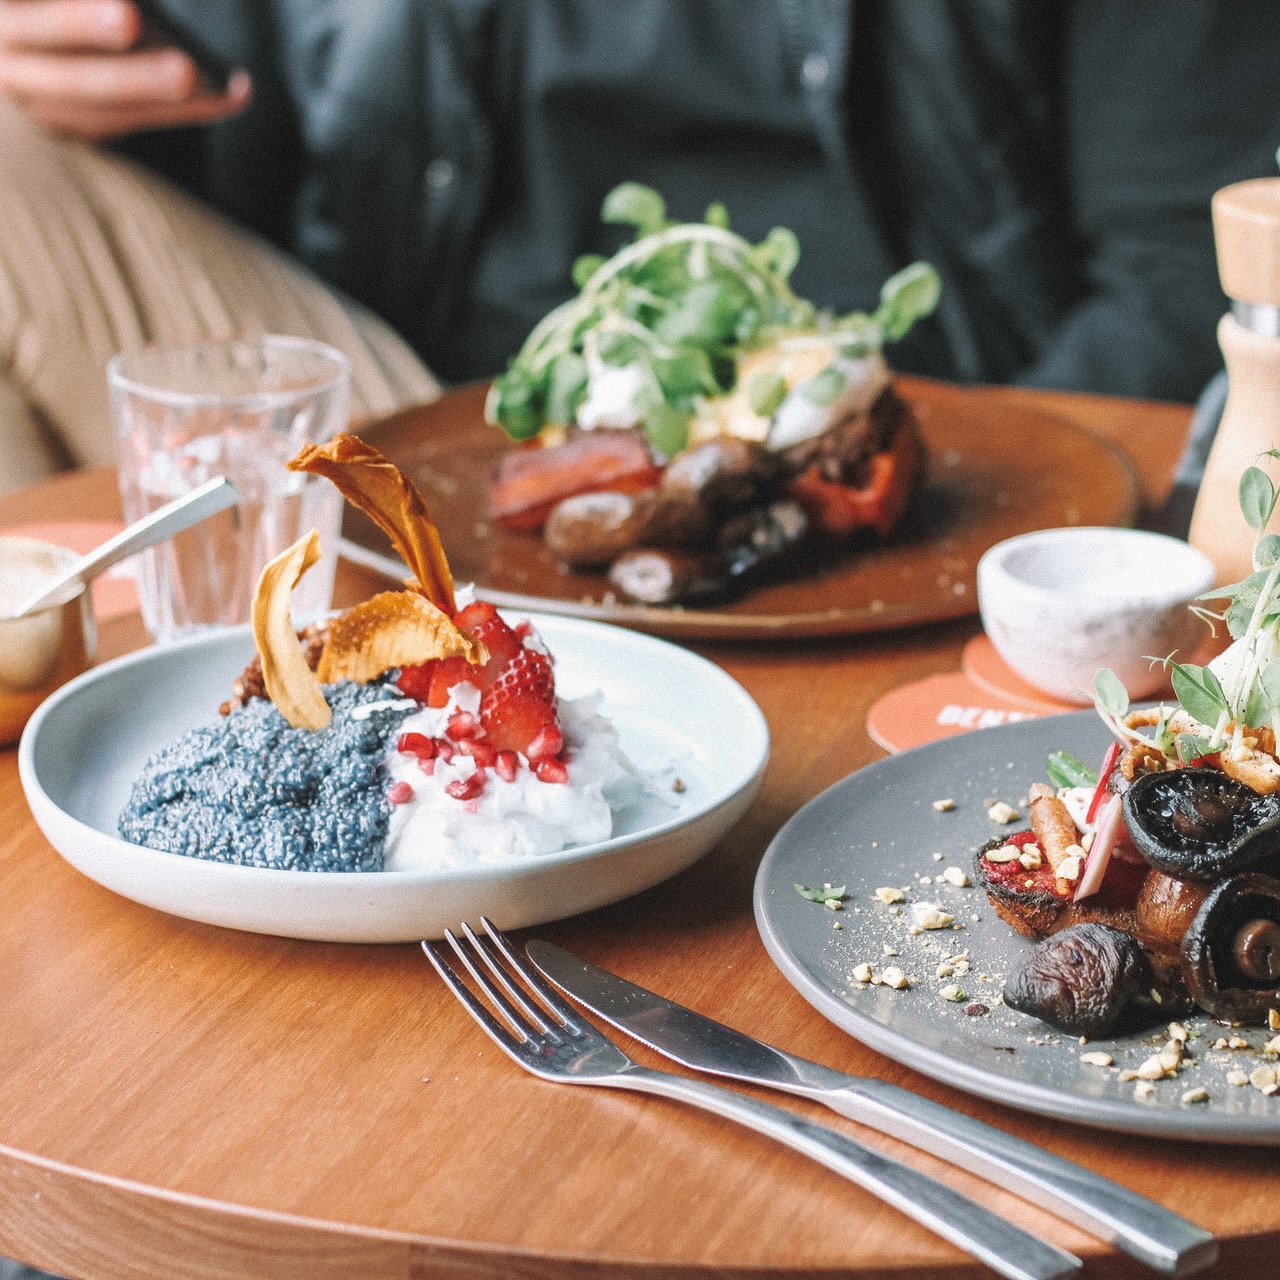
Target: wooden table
{"type": "Point", "coordinates": [180, 1100]}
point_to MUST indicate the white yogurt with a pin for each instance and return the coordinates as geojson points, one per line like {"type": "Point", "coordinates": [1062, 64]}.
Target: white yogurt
{"type": "Point", "coordinates": [508, 820]}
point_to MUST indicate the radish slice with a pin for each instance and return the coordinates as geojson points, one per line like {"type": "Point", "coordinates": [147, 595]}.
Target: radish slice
{"type": "Point", "coordinates": [1109, 830]}
{"type": "Point", "coordinates": [1100, 792]}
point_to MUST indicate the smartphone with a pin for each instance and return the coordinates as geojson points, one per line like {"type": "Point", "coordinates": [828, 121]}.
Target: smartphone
{"type": "Point", "coordinates": [160, 27]}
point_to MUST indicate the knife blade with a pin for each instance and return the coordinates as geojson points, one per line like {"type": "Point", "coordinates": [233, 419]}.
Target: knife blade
{"type": "Point", "coordinates": [1140, 1227]}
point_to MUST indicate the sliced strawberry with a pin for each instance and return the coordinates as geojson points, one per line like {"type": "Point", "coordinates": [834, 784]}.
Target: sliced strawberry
{"type": "Point", "coordinates": [482, 621]}
{"type": "Point", "coordinates": [415, 682]}
{"type": "Point", "coordinates": [447, 672]}
{"type": "Point", "coordinates": [514, 720]}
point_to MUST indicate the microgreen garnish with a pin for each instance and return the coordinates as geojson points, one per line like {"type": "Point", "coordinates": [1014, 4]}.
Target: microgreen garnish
{"type": "Point", "coordinates": [823, 893]}
{"type": "Point", "coordinates": [1065, 770]}
{"type": "Point", "coordinates": [677, 306]}
{"type": "Point", "coordinates": [1243, 691]}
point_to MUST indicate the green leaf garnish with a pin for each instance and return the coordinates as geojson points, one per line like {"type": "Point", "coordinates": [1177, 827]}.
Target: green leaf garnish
{"type": "Point", "coordinates": [1257, 498]}
{"type": "Point", "coordinates": [667, 429]}
{"type": "Point", "coordinates": [1199, 691]}
{"type": "Point", "coordinates": [825, 387]}
{"type": "Point", "coordinates": [824, 893]}
{"type": "Point", "coordinates": [635, 205]}
{"type": "Point", "coordinates": [766, 391]}
{"type": "Point", "coordinates": [1189, 747]}
{"type": "Point", "coordinates": [1065, 770]}
{"type": "Point", "coordinates": [585, 267]}
{"type": "Point", "coordinates": [681, 303]}
{"type": "Point", "coordinates": [1109, 694]}
{"type": "Point", "coordinates": [907, 297]}
{"type": "Point", "coordinates": [716, 216]}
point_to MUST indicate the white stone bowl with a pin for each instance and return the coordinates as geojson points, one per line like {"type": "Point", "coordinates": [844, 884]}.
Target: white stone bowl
{"type": "Point", "coordinates": [1058, 604]}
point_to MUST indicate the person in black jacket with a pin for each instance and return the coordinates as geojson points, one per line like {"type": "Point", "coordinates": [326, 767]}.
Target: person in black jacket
{"type": "Point", "coordinates": [440, 164]}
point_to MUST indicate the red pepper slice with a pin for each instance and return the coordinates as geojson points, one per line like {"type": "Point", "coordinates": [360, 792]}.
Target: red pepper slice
{"type": "Point", "coordinates": [1108, 766]}
{"type": "Point", "coordinates": [841, 510]}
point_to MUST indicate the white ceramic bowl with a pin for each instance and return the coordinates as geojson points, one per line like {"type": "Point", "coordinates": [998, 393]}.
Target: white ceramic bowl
{"type": "Point", "coordinates": [673, 710]}
{"type": "Point", "coordinates": [1059, 604]}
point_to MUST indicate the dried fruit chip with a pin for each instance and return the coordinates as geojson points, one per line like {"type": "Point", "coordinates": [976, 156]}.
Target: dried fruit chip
{"type": "Point", "coordinates": [393, 629]}
{"type": "Point", "coordinates": [290, 683]}
{"type": "Point", "coordinates": [373, 484]}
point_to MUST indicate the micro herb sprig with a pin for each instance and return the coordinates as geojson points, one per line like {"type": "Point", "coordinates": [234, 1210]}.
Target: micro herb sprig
{"type": "Point", "coordinates": [676, 307]}
{"type": "Point", "coordinates": [1247, 696]}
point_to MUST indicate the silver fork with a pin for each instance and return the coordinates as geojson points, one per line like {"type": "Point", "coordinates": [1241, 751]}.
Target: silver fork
{"type": "Point", "coordinates": [543, 1033]}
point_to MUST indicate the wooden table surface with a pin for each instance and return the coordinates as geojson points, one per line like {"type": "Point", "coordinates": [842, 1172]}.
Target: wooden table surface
{"type": "Point", "coordinates": [181, 1100]}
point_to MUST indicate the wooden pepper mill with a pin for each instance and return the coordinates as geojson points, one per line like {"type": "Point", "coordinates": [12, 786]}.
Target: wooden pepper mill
{"type": "Point", "coordinates": [1246, 225]}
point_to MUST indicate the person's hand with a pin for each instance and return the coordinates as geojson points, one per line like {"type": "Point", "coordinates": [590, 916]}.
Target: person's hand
{"type": "Point", "coordinates": [74, 65]}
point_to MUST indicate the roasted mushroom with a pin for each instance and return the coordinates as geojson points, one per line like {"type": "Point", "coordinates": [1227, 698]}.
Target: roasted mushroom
{"type": "Point", "coordinates": [1231, 952]}
{"type": "Point", "coordinates": [1088, 980]}
{"type": "Point", "coordinates": [1199, 824]}
{"type": "Point", "coordinates": [1165, 909]}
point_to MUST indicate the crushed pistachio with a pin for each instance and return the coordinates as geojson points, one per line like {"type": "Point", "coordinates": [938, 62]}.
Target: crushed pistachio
{"type": "Point", "coordinates": [1003, 813]}
{"type": "Point", "coordinates": [928, 915]}
{"type": "Point", "coordinates": [1005, 853]}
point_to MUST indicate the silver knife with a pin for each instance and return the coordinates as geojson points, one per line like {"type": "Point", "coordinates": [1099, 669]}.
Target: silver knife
{"type": "Point", "coordinates": [1143, 1229]}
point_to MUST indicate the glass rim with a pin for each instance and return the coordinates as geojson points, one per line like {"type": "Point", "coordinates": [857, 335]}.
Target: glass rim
{"type": "Point", "coordinates": [119, 380]}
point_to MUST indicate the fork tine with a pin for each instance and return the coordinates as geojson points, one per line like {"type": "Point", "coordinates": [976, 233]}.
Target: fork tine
{"type": "Point", "coordinates": [564, 1012]}
{"type": "Point", "coordinates": [480, 966]}
{"type": "Point", "coordinates": [485, 950]}
{"type": "Point", "coordinates": [440, 963]}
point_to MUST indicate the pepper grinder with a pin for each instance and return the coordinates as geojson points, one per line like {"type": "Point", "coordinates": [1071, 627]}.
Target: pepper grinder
{"type": "Point", "coordinates": [1246, 227]}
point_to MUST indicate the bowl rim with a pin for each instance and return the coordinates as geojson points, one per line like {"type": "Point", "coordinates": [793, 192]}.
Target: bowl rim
{"type": "Point", "coordinates": [1196, 571]}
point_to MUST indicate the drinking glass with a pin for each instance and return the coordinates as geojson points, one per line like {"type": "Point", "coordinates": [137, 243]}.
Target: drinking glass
{"type": "Point", "coordinates": [240, 408]}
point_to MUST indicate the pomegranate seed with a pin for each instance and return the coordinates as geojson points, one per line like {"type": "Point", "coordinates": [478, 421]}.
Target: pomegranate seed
{"type": "Point", "coordinates": [506, 764]}
{"type": "Point", "coordinates": [523, 629]}
{"type": "Point", "coordinates": [547, 742]}
{"type": "Point", "coordinates": [472, 806]}
{"type": "Point", "coordinates": [551, 770]}
{"type": "Point", "coordinates": [428, 765]}
{"type": "Point", "coordinates": [445, 749]}
{"type": "Point", "coordinates": [481, 752]}
{"type": "Point", "coordinates": [400, 793]}
{"type": "Point", "coordinates": [463, 725]}
{"type": "Point", "coordinates": [415, 744]}
{"type": "Point", "coordinates": [467, 788]}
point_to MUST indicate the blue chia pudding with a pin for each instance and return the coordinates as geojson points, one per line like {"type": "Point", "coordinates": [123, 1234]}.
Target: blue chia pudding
{"type": "Point", "coordinates": [252, 790]}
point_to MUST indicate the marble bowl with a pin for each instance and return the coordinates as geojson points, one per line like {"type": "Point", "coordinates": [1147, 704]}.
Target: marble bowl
{"type": "Point", "coordinates": [1058, 604]}
{"type": "Point", "coordinates": [44, 650]}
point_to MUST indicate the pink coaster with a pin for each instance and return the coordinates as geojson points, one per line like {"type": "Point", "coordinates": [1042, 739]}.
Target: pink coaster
{"type": "Point", "coordinates": [985, 667]}
{"type": "Point", "coordinates": [941, 706]}
{"type": "Point", "coordinates": [114, 593]}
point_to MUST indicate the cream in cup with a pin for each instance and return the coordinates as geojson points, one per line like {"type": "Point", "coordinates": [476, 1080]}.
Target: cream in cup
{"type": "Point", "coordinates": [45, 649]}
{"type": "Point", "coordinates": [240, 408]}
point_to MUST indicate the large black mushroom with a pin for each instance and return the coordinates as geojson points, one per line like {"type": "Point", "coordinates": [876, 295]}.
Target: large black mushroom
{"type": "Point", "coordinates": [1231, 951]}
{"type": "Point", "coordinates": [1201, 825]}
{"type": "Point", "coordinates": [1087, 980]}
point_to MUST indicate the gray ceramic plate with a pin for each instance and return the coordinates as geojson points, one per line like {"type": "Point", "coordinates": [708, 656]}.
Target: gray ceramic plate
{"type": "Point", "coordinates": [878, 828]}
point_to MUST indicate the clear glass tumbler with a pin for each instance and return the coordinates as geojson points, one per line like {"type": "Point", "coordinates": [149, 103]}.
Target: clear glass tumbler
{"type": "Point", "coordinates": [240, 408]}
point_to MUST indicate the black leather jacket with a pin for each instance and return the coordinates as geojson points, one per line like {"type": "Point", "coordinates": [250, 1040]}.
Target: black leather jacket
{"type": "Point", "coordinates": [444, 160]}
